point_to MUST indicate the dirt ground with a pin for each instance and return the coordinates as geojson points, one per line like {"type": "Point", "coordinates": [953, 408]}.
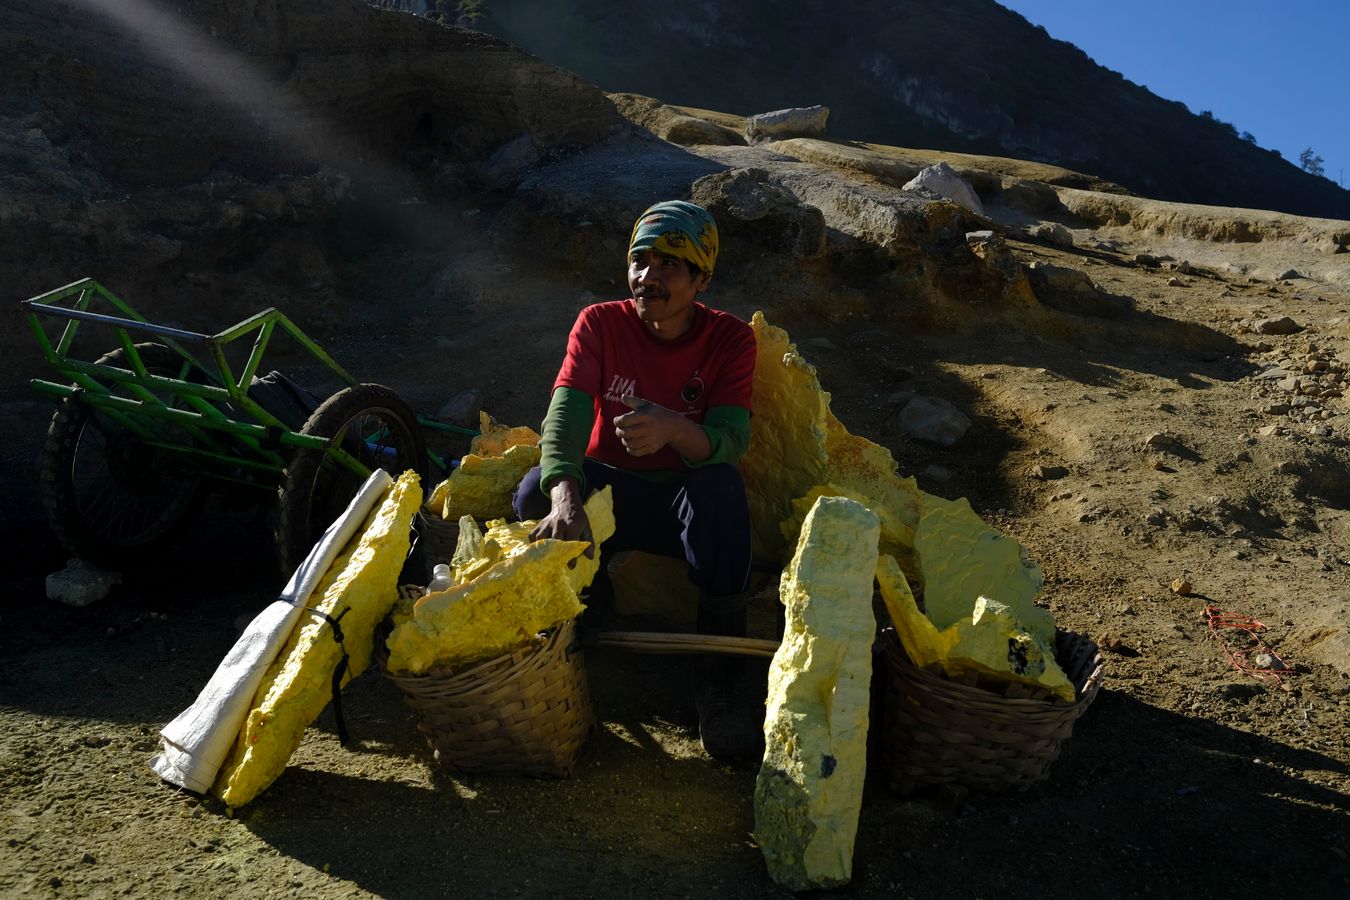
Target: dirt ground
{"type": "Point", "coordinates": [1186, 778]}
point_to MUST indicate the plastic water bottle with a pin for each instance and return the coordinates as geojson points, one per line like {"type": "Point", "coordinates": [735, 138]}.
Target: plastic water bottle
{"type": "Point", "coordinates": [441, 579]}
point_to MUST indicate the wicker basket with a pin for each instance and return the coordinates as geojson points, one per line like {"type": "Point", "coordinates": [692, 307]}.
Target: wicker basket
{"type": "Point", "coordinates": [436, 539]}
{"type": "Point", "coordinates": [525, 713]}
{"type": "Point", "coordinates": [941, 732]}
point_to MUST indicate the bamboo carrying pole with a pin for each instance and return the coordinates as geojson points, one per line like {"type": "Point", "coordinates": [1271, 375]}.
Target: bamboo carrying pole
{"type": "Point", "coordinates": [663, 642]}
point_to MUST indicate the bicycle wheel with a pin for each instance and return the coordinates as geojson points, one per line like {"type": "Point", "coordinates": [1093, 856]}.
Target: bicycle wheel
{"type": "Point", "coordinates": [109, 497]}
{"type": "Point", "coordinates": [370, 422]}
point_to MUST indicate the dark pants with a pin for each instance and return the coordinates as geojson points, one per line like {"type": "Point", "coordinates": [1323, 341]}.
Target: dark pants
{"type": "Point", "coordinates": [702, 519]}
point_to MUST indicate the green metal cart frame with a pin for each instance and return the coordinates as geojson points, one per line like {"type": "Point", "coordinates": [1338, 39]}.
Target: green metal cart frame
{"type": "Point", "coordinates": [142, 432]}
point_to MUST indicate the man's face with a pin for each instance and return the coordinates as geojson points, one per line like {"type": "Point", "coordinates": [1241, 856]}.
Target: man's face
{"type": "Point", "coordinates": [664, 290]}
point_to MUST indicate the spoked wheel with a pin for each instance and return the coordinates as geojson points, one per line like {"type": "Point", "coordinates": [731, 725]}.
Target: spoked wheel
{"type": "Point", "coordinates": [110, 498]}
{"type": "Point", "coordinates": [370, 422]}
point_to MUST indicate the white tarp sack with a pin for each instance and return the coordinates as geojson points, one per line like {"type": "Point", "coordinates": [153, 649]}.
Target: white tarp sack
{"type": "Point", "coordinates": [197, 741]}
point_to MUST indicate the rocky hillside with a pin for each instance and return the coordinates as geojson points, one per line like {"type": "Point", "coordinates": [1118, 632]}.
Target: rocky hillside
{"type": "Point", "coordinates": [960, 75]}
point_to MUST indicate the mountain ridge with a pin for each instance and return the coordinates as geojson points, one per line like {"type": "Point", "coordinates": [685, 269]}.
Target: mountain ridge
{"type": "Point", "coordinates": [892, 73]}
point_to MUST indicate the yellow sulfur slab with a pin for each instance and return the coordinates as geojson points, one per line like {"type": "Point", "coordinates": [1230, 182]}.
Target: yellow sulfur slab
{"type": "Point", "coordinates": [479, 492]}
{"type": "Point", "coordinates": [786, 457]}
{"type": "Point", "coordinates": [857, 464]}
{"type": "Point", "coordinates": [991, 642]}
{"type": "Point", "coordinates": [364, 582]}
{"type": "Point", "coordinates": [923, 642]}
{"type": "Point", "coordinates": [502, 609]}
{"type": "Point", "coordinates": [961, 558]}
{"type": "Point", "coordinates": [809, 789]}
{"type": "Point", "coordinates": [799, 451]}
{"type": "Point", "coordinates": [513, 537]}
{"type": "Point", "coordinates": [468, 544]}
{"type": "Point", "coordinates": [533, 587]}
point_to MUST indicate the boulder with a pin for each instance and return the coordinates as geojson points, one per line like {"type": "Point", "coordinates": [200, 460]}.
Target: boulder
{"type": "Point", "coordinates": [462, 409]}
{"type": "Point", "coordinates": [1071, 290]}
{"type": "Point", "coordinates": [933, 420]}
{"type": "Point", "coordinates": [749, 208]}
{"type": "Point", "coordinates": [81, 583]}
{"type": "Point", "coordinates": [511, 160]}
{"type": "Point", "coordinates": [942, 180]}
{"type": "Point", "coordinates": [801, 121]}
{"type": "Point", "coordinates": [671, 123]}
{"type": "Point", "coordinates": [1052, 233]}
{"type": "Point", "coordinates": [1281, 325]}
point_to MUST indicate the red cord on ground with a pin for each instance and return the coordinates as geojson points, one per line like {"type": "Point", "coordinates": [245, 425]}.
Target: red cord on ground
{"type": "Point", "coordinates": [1268, 670]}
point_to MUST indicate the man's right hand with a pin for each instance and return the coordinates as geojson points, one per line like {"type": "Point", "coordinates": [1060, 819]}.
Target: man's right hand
{"type": "Point", "coordinates": [567, 519]}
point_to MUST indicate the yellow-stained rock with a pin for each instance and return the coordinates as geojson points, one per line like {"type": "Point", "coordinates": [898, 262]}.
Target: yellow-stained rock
{"type": "Point", "coordinates": [786, 457]}
{"type": "Point", "coordinates": [867, 472]}
{"type": "Point", "coordinates": [809, 789]}
{"type": "Point", "coordinates": [513, 537]}
{"type": "Point", "coordinates": [528, 588]}
{"type": "Point", "coordinates": [468, 543]}
{"type": "Point", "coordinates": [991, 642]}
{"type": "Point", "coordinates": [363, 581]}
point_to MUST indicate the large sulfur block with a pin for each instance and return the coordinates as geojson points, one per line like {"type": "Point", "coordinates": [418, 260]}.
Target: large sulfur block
{"type": "Point", "coordinates": [809, 789]}
{"type": "Point", "coordinates": [799, 451]}
{"type": "Point", "coordinates": [482, 484]}
{"type": "Point", "coordinates": [361, 587]}
{"type": "Point", "coordinates": [786, 457]}
{"type": "Point", "coordinates": [962, 558]}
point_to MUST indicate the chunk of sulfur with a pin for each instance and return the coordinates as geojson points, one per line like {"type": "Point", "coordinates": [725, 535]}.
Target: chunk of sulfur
{"type": "Point", "coordinates": [531, 587]}
{"type": "Point", "coordinates": [990, 641]}
{"type": "Point", "coordinates": [361, 587]}
{"type": "Point", "coordinates": [494, 438]}
{"type": "Point", "coordinates": [809, 789]}
{"type": "Point", "coordinates": [482, 486]}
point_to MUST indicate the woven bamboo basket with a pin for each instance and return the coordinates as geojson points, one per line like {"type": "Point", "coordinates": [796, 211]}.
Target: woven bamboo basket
{"type": "Point", "coordinates": [527, 712]}
{"type": "Point", "coordinates": [940, 732]}
{"type": "Point", "coordinates": [436, 539]}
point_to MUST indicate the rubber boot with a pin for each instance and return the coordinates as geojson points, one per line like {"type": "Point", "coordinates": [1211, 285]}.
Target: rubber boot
{"type": "Point", "coordinates": [730, 726]}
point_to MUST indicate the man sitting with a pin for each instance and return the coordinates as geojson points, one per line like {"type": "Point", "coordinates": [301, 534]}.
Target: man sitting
{"type": "Point", "coordinates": [653, 399]}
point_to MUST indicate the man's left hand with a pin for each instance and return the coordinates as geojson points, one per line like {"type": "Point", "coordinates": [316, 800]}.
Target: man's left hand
{"type": "Point", "coordinates": [648, 428]}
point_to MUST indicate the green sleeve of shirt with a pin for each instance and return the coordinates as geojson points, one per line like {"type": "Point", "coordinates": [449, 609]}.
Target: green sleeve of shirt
{"type": "Point", "coordinates": [566, 433]}
{"type": "Point", "coordinates": [728, 428]}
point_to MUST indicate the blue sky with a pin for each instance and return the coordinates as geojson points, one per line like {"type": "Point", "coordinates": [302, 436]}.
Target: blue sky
{"type": "Point", "coordinates": [1276, 69]}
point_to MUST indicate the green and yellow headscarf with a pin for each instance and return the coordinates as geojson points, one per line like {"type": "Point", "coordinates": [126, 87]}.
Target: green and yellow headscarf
{"type": "Point", "coordinates": [683, 230]}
